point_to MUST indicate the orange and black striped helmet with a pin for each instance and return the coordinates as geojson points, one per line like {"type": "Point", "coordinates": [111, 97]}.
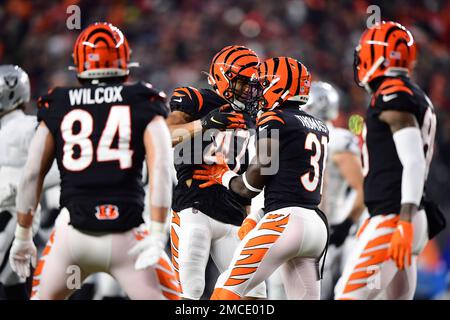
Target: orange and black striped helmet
{"type": "Point", "coordinates": [233, 75]}
{"type": "Point", "coordinates": [386, 49]}
{"type": "Point", "coordinates": [101, 51]}
{"type": "Point", "coordinates": [283, 78]}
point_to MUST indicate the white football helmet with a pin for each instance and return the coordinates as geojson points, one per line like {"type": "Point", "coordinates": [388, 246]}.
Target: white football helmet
{"type": "Point", "coordinates": [14, 87]}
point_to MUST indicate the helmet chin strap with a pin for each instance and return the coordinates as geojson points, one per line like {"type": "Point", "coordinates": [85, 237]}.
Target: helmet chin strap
{"type": "Point", "coordinates": [371, 71]}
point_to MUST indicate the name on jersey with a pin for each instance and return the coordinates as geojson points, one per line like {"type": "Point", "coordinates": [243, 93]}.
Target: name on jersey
{"type": "Point", "coordinates": [313, 124]}
{"type": "Point", "coordinates": [98, 95]}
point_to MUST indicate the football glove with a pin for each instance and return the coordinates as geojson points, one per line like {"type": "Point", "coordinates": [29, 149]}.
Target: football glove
{"type": "Point", "coordinates": [339, 232]}
{"type": "Point", "coordinates": [250, 223]}
{"type": "Point", "coordinates": [218, 173]}
{"type": "Point", "coordinates": [147, 251]}
{"type": "Point", "coordinates": [222, 120]}
{"type": "Point", "coordinates": [400, 248]}
{"type": "Point", "coordinates": [23, 251]}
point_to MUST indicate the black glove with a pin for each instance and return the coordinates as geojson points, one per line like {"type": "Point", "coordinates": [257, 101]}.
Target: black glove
{"type": "Point", "coordinates": [223, 120]}
{"type": "Point", "coordinates": [339, 232]}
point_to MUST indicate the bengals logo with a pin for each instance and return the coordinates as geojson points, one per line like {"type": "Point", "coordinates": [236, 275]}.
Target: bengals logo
{"type": "Point", "coordinates": [107, 212]}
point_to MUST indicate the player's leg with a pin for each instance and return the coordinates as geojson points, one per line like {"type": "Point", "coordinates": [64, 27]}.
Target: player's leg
{"type": "Point", "coordinates": [225, 240]}
{"type": "Point", "coordinates": [368, 272]}
{"type": "Point", "coordinates": [403, 285]}
{"type": "Point", "coordinates": [330, 272]}
{"type": "Point", "coordinates": [57, 274]}
{"type": "Point", "coordinates": [301, 279]}
{"type": "Point", "coordinates": [275, 286]}
{"type": "Point", "coordinates": [153, 283]}
{"type": "Point", "coordinates": [279, 237]}
{"type": "Point", "coordinates": [191, 241]}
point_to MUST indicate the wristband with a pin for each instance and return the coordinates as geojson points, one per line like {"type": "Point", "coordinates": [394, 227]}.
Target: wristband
{"type": "Point", "coordinates": [24, 234]}
{"type": "Point", "coordinates": [226, 178]}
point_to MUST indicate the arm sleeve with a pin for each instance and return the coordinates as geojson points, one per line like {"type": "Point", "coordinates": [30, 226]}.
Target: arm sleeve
{"type": "Point", "coordinates": [408, 142]}
{"type": "Point", "coordinates": [161, 175]}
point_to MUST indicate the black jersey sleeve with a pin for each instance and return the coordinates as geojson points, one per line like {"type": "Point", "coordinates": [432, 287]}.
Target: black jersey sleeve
{"type": "Point", "coordinates": [48, 110]}
{"type": "Point", "coordinates": [270, 124]}
{"type": "Point", "coordinates": [394, 94]}
{"type": "Point", "coordinates": [187, 99]}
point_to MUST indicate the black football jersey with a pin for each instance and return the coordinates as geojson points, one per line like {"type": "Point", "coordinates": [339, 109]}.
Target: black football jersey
{"type": "Point", "coordinates": [381, 165]}
{"type": "Point", "coordinates": [98, 132]}
{"type": "Point", "coordinates": [302, 152]}
{"type": "Point", "coordinates": [215, 201]}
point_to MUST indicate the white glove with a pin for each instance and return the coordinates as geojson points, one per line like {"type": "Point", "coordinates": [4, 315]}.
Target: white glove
{"type": "Point", "coordinates": [148, 250]}
{"type": "Point", "coordinates": [22, 251]}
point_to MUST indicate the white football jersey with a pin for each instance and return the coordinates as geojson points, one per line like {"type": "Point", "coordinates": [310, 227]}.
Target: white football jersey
{"type": "Point", "coordinates": [16, 132]}
{"type": "Point", "coordinates": [337, 199]}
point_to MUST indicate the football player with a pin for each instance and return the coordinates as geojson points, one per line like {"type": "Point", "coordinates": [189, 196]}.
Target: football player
{"type": "Point", "coordinates": [16, 132]}
{"type": "Point", "coordinates": [100, 134]}
{"type": "Point", "coordinates": [206, 221]}
{"type": "Point", "coordinates": [343, 198]}
{"type": "Point", "coordinates": [291, 155]}
{"type": "Point", "coordinates": [399, 131]}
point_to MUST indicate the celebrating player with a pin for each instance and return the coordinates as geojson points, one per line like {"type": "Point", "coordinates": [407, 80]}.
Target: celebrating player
{"type": "Point", "coordinates": [399, 132]}
{"type": "Point", "coordinates": [290, 161]}
{"type": "Point", "coordinates": [100, 134]}
{"type": "Point", "coordinates": [342, 206]}
{"type": "Point", "coordinates": [206, 221]}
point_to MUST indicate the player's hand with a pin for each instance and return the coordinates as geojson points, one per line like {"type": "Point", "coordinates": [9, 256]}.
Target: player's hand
{"type": "Point", "coordinates": [212, 174]}
{"type": "Point", "coordinates": [247, 225]}
{"type": "Point", "coordinates": [339, 232]}
{"type": "Point", "coordinates": [223, 120]}
{"type": "Point", "coordinates": [23, 252]}
{"type": "Point", "coordinates": [148, 251]}
{"type": "Point", "coordinates": [400, 248]}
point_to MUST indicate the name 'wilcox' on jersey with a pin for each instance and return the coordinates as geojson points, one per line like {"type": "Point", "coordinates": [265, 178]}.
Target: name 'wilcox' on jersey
{"type": "Point", "coordinates": [98, 132]}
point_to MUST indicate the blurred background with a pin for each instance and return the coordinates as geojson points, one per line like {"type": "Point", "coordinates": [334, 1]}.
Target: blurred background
{"type": "Point", "coordinates": [174, 42]}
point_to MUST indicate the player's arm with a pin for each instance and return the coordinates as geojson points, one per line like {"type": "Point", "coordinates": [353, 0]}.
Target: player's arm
{"type": "Point", "coordinates": [408, 142]}
{"type": "Point", "coordinates": [40, 158]}
{"type": "Point", "coordinates": [160, 164]}
{"type": "Point", "coordinates": [349, 165]}
{"type": "Point", "coordinates": [251, 182]}
{"type": "Point", "coordinates": [181, 126]}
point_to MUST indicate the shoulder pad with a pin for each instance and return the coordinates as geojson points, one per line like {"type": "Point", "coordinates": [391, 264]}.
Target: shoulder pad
{"type": "Point", "coordinates": [274, 116]}
{"type": "Point", "coordinates": [394, 94]}
{"type": "Point", "coordinates": [186, 99]}
{"type": "Point", "coordinates": [151, 92]}
{"type": "Point", "coordinates": [45, 100]}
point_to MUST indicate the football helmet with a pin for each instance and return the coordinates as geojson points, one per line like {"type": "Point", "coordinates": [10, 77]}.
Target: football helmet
{"type": "Point", "coordinates": [386, 49]}
{"type": "Point", "coordinates": [281, 79]}
{"type": "Point", "coordinates": [14, 87]}
{"type": "Point", "coordinates": [101, 51]}
{"type": "Point", "coordinates": [233, 75]}
{"type": "Point", "coordinates": [323, 102]}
